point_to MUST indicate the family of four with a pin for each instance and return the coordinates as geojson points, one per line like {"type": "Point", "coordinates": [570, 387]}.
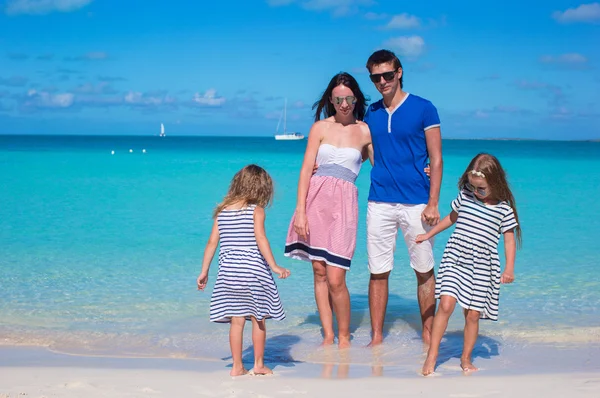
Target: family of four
{"type": "Point", "coordinates": [400, 135]}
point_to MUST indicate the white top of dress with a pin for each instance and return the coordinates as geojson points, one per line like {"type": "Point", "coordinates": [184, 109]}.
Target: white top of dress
{"type": "Point", "coordinates": [350, 158]}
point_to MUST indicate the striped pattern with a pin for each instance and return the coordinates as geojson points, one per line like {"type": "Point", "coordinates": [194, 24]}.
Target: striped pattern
{"type": "Point", "coordinates": [245, 286]}
{"type": "Point", "coordinates": [470, 268]}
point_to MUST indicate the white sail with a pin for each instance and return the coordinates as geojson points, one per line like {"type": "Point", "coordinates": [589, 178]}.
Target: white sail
{"type": "Point", "coordinates": [162, 130]}
{"type": "Point", "coordinates": [286, 135]}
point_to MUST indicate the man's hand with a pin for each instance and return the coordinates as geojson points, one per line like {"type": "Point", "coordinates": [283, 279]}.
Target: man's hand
{"type": "Point", "coordinates": [431, 215]}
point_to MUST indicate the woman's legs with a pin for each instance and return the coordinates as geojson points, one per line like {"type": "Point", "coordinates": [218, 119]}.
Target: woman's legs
{"type": "Point", "coordinates": [236, 335]}
{"type": "Point", "coordinates": [323, 300]}
{"type": "Point", "coordinates": [259, 336]}
{"type": "Point", "coordinates": [470, 335]}
{"type": "Point", "coordinates": [340, 298]}
{"type": "Point", "coordinates": [440, 323]}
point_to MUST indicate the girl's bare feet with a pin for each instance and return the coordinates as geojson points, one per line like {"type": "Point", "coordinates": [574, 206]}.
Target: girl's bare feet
{"type": "Point", "coordinates": [238, 371]}
{"type": "Point", "coordinates": [262, 370]}
{"type": "Point", "coordinates": [467, 365]}
{"type": "Point", "coordinates": [327, 340]}
{"type": "Point", "coordinates": [429, 366]}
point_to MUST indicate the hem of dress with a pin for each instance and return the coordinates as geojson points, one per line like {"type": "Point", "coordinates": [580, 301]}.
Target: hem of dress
{"type": "Point", "coordinates": [485, 318]}
{"type": "Point", "coordinates": [301, 251]}
{"type": "Point", "coordinates": [227, 318]}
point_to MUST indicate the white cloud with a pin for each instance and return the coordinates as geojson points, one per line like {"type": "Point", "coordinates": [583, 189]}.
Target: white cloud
{"type": "Point", "coordinates": [373, 16]}
{"type": "Point", "coordinates": [584, 13]}
{"type": "Point", "coordinates": [209, 98]}
{"type": "Point", "coordinates": [404, 21]}
{"type": "Point", "coordinates": [140, 99]}
{"type": "Point", "coordinates": [338, 8]}
{"type": "Point", "coordinates": [565, 59]}
{"type": "Point", "coordinates": [16, 7]}
{"type": "Point", "coordinates": [409, 46]}
{"type": "Point", "coordinates": [46, 100]}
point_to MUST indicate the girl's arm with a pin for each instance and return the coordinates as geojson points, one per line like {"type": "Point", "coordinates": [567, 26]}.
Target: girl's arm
{"type": "Point", "coordinates": [510, 250]}
{"type": "Point", "coordinates": [307, 170]}
{"type": "Point", "coordinates": [263, 243]}
{"type": "Point", "coordinates": [209, 253]}
{"type": "Point", "coordinates": [446, 223]}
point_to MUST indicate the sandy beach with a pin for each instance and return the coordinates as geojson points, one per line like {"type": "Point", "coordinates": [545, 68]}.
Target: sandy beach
{"type": "Point", "coordinates": [36, 372]}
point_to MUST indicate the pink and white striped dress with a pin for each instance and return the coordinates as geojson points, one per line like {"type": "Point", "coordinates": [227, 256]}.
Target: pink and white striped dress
{"type": "Point", "coordinates": [331, 210]}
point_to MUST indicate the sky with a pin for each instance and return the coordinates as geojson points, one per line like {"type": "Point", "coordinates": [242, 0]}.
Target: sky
{"type": "Point", "coordinates": [511, 69]}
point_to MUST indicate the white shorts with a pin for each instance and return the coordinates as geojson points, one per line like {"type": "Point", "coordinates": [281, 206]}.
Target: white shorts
{"type": "Point", "coordinates": [383, 222]}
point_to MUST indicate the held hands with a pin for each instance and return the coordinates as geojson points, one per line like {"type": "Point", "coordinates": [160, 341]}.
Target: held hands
{"type": "Point", "coordinates": [282, 272]}
{"type": "Point", "coordinates": [431, 215]}
{"type": "Point", "coordinates": [202, 280]}
{"type": "Point", "coordinates": [421, 238]}
{"type": "Point", "coordinates": [507, 277]}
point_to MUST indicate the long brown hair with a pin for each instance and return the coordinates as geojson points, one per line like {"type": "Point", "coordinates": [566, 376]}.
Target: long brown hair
{"type": "Point", "coordinates": [324, 106]}
{"type": "Point", "coordinates": [495, 176]}
{"type": "Point", "coordinates": [252, 185]}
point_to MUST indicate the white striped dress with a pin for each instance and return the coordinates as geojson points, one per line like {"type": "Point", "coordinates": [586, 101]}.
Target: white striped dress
{"type": "Point", "coordinates": [245, 286]}
{"type": "Point", "coordinates": [470, 268]}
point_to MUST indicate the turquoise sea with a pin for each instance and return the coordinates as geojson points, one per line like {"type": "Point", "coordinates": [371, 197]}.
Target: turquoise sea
{"type": "Point", "coordinates": [100, 252]}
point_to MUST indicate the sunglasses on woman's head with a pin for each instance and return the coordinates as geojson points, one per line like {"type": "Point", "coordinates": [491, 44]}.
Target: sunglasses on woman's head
{"type": "Point", "coordinates": [480, 191]}
{"type": "Point", "coordinates": [350, 99]}
{"type": "Point", "coordinates": [387, 76]}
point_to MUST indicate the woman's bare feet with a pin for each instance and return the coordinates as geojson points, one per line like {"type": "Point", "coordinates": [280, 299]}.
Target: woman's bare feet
{"type": "Point", "coordinates": [376, 340]}
{"type": "Point", "coordinates": [343, 342]}
{"type": "Point", "coordinates": [238, 371]}
{"type": "Point", "coordinates": [262, 370]}
{"type": "Point", "coordinates": [467, 365]}
{"type": "Point", "coordinates": [429, 365]}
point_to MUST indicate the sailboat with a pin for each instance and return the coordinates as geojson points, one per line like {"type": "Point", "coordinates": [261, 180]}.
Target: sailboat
{"type": "Point", "coordinates": [285, 135]}
{"type": "Point", "coordinates": [162, 130]}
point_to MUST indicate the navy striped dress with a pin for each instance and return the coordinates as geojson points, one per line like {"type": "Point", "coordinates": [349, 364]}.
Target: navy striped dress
{"type": "Point", "coordinates": [245, 286]}
{"type": "Point", "coordinates": [470, 268]}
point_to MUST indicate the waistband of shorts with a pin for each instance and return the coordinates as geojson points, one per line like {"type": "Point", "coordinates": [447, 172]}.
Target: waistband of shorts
{"type": "Point", "coordinates": [337, 171]}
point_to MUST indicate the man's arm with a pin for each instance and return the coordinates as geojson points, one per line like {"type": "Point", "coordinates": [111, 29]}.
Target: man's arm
{"type": "Point", "coordinates": [433, 138]}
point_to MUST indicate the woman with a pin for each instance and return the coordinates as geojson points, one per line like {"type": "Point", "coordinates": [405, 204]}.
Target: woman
{"type": "Point", "coordinates": [323, 228]}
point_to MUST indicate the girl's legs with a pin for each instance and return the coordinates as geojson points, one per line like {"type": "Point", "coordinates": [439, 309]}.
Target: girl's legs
{"type": "Point", "coordinates": [440, 323]}
{"type": "Point", "coordinates": [323, 301]}
{"type": "Point", "coordinates": [471, 332]}
{"type": "Point", "coordinates": [259, 336]}
{"type": "Point", "coordinates": [336, 280]}
{"type": "Point", "coordinates": [236, 334]}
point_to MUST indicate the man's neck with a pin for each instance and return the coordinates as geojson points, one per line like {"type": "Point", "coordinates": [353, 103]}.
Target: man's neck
{"type": "Point", "coordinates": [393, 100]}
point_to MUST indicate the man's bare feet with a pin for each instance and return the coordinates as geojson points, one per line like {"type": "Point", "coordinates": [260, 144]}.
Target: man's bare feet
{"type": "Point", "coordinates": [467, 365]}
{"type": "Point", "coordinates": [429, 365]}
{"type": "Point", "coordinates": [262, 370]}
{"type": "Point", "coordinates": [238, 371]}
{"type": "Point", "coordinates": [376, 340]}
{"type": "Point", "coordinates": [343, 342]}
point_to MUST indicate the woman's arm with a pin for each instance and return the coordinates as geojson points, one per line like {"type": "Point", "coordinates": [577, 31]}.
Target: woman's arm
{"type": "Point", "coordinates": [510, 251]}
{"type": "Point", "coordinates": [209, 253]}
{"type": "Point", "coordinates": [263, 243]}
{"type": "Point", "coordinates": [310, 155]}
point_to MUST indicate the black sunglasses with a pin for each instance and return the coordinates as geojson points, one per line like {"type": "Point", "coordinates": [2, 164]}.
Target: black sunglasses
{"type": "Point", "coordinates": [482, 192]}
{"type": "Point", "coordinates": [388, 76]}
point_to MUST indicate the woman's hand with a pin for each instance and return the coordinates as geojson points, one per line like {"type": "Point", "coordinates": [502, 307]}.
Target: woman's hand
{"type": "Point", "coordinates": [301, 225]}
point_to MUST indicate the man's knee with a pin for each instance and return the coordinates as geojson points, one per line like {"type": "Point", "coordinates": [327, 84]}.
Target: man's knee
{"type": "Point", "coordinates": [424, 277]}
{"type": "Point", "coordinates": [381, 277]}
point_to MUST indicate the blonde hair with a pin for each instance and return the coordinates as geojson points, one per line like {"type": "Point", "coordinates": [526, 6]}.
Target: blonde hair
{"type": "Point", "coordinates": [252, 185]}
{"type": "Point", "coordinates": [490, 167]}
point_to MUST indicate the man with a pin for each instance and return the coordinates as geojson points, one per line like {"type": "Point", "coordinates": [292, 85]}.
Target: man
{"type": "Point", "coordinates": [405, 131]}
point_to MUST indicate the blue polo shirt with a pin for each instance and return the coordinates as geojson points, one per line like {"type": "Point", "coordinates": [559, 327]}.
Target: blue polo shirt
{"type": "Point", "coordinates": [400, 150]}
